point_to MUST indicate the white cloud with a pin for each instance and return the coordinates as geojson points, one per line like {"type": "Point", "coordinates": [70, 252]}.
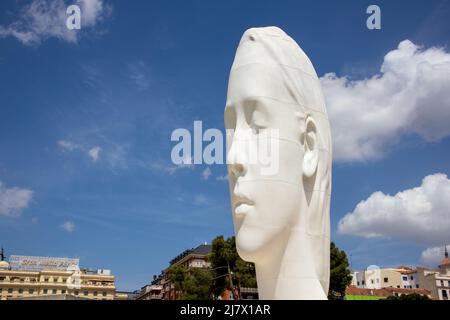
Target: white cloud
{"type": "Point", "coordinates": [68, 226]}
{"type": "Point", "coordinates": [94, 153]}
{"type": "Point", "coordinates": [432, 256]}
{"type": "Point", "coordinates": [68, 145]}
{"type": "Point", "coordinates": [14, 200]}
{"type": "Point", "coordinates": [206, 174]}
{"type": "Point", "coordinates": [43, 19]}
{"type": "Point", "coordinates": [420, 214]}
{"type": "Point", "coordinates": [411, 95]}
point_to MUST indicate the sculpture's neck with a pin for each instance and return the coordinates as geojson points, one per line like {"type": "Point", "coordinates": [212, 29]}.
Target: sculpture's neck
{"type": "Point", "coordinates": [291, 275]}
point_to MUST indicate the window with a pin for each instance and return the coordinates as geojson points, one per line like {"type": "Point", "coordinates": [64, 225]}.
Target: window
{"type": "Point", "coordinates": [405, 278]}
{"type": "Point", "coordinates": [442, 283]}
{"type": "Point", "coordinates": [45, 279]}
{"type": "Point", "coordinates": [363, 282]}
{"type": "Point", "coordinates": [20, 291]}
{"type": "Point", "coordinates": [85, 293]}
{"type": "Point", "coordinates": [30, 291]}
{"type": "Point", "coordinates": [386, 280]}
{"type": "Point", "coordinates": [10, 290]}
{"type": "Point", "coordinates": [444, 294]}
{"type": "Point", "coordinates": [104, 293]}
{"type": "Point", "coordinates": [371, 281]}
{"type": "Point", "coordinates": [2, 278]}
{"type": "Point", "coordinates": [1, 289]}
{"type": "Point", "coordinates": [357, 283]}
{"type": "Point", "coordinates": [45, 291]}
{"type": "Point", "coordinates": [54, 291]}
{"type": "Point", "coordinates": [411, 277]}
{"type": "Point", "coordinates": [398, 287]}
{"type": "Point", "coordinates": [77, 292]}
{"type": "Point", "coordinates": [63, 291]}
{"type": "Point", "coordinates": [417, 286]}
{"type": "Point", "coordinates": [95, 293]}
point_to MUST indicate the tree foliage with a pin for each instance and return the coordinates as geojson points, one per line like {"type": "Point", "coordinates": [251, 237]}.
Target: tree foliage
{"type": "Point", "coordinates": [340, 275]}
{"type": "Point", "coordinates": [192, 284]}
{"type": "Point", "coordinates": [224, 258]}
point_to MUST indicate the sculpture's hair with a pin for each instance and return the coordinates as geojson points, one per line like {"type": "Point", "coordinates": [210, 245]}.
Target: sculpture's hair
{"type": "Point", "coordinates": [272, 46]}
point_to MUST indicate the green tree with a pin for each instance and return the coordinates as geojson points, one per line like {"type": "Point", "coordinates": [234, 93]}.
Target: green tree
{"type": "Point", "coordinates": [197, 284]}
{"type": "Point", "coordinates": [340, 275]}
{"type": "Point", "coordinates": [177, 275]}
{"type": "Point", "coordinates": [225, 260]}
{"type": "Point", "coordinates": [192, 284]}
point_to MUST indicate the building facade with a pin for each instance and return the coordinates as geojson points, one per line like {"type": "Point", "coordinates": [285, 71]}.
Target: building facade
{"type": "Point", "coordinates": [43, 277]}
{"type": "Point", "coordinates": [377, 278]}
{"type": "Point", "coordinates": [435, 281]}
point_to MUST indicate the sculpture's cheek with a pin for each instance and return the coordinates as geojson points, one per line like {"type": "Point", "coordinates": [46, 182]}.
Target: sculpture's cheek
{"type": "Point", "coordinates": [276, 209]}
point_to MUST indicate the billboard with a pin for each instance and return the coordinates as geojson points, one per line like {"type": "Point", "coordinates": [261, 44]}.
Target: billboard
{"type": "Point", "coordinates": [41, 263]}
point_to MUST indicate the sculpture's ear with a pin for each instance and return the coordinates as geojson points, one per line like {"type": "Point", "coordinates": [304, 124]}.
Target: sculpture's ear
{"type": "Point", "coordinates": [311, 156]}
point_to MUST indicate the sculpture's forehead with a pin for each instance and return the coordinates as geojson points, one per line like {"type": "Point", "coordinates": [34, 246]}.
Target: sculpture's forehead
{"type": "Point", "coordinates": [285, 85]}
{"type": "Point", "coordinates": [256, 80]}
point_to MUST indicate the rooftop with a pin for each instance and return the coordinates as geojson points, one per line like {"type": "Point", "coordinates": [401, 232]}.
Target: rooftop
{"type": "Point", "coordinates": [203, 249]}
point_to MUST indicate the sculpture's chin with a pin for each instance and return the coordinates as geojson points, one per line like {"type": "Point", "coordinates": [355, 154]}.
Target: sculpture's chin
{"type": "Point", "coordinates": [251, 246]}
{"type": "Point", "coordinates": [245, 253]}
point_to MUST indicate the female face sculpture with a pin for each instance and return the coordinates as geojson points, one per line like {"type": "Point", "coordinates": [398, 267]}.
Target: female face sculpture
{"type": "Point", "coordinates": [275, 104]}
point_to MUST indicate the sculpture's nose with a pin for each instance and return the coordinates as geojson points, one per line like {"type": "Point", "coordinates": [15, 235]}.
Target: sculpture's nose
{"type": "Point", "coordinates": [236, 159]}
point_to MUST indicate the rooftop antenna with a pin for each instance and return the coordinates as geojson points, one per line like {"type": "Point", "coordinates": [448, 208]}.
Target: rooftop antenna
{"type": "Point", "coordinates": [2, 255]}
{"type": "Point", "coordinates": [445, 251]}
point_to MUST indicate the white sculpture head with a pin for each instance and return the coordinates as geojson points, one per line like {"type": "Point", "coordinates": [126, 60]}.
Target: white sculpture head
{"type": "Point", "coordinates": [281, 219]}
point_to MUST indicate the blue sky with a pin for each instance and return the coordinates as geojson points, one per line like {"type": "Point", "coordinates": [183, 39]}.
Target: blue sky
{"type": "Point", "coordinates": [85, 124]}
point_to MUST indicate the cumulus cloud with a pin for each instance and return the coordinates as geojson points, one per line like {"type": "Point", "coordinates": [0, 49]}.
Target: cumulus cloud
{"type": "Point", "coordinates": [410, 95]}
{"type": "Point", "coordinates": [206, 174]}
{"type": "Point", "coordinates": [14, 200]}
{"type": "Point", "coordinates": [43, 19]}
{"type": "Point", "coordinates": [420, 214]}
{"type": "Point", "coordinates": [94, 153]}
{"type": "Point", "coordinates": [432, 256]}
{"type": "Point", "coordinates": [68, 226]}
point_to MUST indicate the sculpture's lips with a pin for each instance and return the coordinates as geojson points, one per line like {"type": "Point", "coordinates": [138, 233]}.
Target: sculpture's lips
{"type": "Point", "coordinates": [242, 205]}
